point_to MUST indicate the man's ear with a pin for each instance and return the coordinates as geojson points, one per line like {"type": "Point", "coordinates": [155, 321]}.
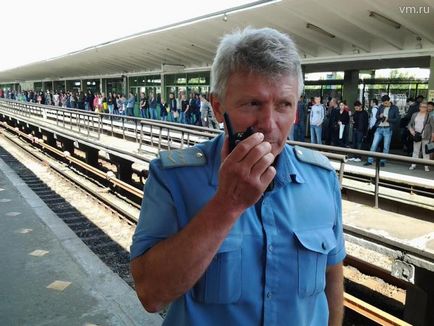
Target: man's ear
{"type": "Point", "coordinates": [217, 108]}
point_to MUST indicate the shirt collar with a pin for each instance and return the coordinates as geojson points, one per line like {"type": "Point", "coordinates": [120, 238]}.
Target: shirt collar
{"type": "Point", "coordinates": [287, 170]}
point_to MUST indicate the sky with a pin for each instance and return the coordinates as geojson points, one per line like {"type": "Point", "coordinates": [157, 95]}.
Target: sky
{"type": "Point", "coordinates": [32, 31]}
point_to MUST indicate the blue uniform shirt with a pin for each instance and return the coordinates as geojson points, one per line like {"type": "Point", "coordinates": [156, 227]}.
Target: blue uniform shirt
{"type": "Point", "coordinates": [270, 269]}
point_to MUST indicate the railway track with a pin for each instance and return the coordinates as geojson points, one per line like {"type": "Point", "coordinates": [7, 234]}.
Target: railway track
{"type": "Point", "coordinates": [106, 208]}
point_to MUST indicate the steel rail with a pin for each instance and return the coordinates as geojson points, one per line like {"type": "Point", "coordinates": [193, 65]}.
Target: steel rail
{"type": "Point", "coordinates": [72, 160]}
{"type": "Point", "coordinates": [369, 311]}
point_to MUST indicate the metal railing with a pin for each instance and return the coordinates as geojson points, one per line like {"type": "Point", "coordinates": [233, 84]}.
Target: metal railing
{"type": "Point", "coordinates": [169, 135]}
{"type": "Point", "coordinates": [83, 122]}
{"type": "Point", "coordinates": [375, 155]}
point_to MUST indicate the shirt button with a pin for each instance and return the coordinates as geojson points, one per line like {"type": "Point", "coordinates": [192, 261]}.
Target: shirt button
{"type": "Point", "coordinates": [268, 295]}
{"type": "Point", "coordinates": [270, 248]}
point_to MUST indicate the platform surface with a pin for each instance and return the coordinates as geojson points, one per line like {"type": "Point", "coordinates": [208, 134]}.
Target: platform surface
{"type": "Point", "coordinates": [48, 275]}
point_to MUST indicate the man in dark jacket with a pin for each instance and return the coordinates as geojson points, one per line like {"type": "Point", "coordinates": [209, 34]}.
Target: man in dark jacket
{"type": "Point", "coordinates": [299, 123]}
{"type": "Point", "coordinates": [360, 127]}
{"type": "Point", "coordinates": [387, 118]}
{"type": "Point", "coordinates": [406, 138]}
{"type": "Point", "coordinates": [333, 125]}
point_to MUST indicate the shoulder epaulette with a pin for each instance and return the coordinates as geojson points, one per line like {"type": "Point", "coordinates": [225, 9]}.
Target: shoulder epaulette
{"type": "Point", "coordinates": [190, 156]}
{"type": "Point", "coordinates": [312, 157]}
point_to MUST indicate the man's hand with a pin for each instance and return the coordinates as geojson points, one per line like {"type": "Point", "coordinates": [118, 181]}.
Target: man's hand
{"type": "Point", "coordinates": [245, 173]}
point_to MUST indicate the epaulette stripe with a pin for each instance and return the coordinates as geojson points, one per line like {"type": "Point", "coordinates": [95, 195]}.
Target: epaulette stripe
{"type": "Point", "coordinates": [312, 157]}
{"type": "Point", "coordinates": [191, 156]}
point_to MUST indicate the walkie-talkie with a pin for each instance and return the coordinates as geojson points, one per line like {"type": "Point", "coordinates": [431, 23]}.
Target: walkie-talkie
{"type": "Point", "coordinates": [235, 137]}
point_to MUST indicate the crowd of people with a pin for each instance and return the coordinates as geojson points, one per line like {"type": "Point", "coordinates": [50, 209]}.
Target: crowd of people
{"type": "Point", "coordinates": [330, 123]}
{"type": "Point", "coordinates": [195, 110]}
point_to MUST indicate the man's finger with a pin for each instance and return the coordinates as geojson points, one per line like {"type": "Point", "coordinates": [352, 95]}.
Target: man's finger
{"type": "Point", "coordinates": [262, 165]}
{"type": "Point", "coordinates": [268, 176]}
{"type": "Point", "coordinates": [244, 147]}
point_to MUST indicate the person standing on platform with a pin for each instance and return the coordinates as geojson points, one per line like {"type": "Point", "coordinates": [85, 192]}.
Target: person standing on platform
{"type": "Point", "coordinates": [421, 127]}
{"type": "Point", "coordinates": [231, 237]}
{"type": "Point", "coordinates": [372, 121]}
{"type": "Point", "coordinates": [164, 108]}
{"type": "Point", "coordinates": [431, 108]}
{"type": "Point", "coordinates": [317, 113]}
{"type": "Point", "coordinates": [115, 103]}
{"type": "Point", "coordinates": [343, 122]}
{"type": "Point", "coordinates": [173, 108]}
{"type": "Point", "coordinates": [406, 137]}
{"type": "Point", "coordinates": [110, 103]}
{"type": "Point", "coordinates": [333, 122]}
{"type": "Point", "coordinates": [299, 130]}
{"type": "Point", "coordinates": [189, 116]}
{"type": "Point", "coordinates": [387, 119]}
{"type": "Point", "coordinates": [184, 108]}
{"type": "Point", "coordinates": [144, 106]}
{"type": "Point", "coordinates": [130, 103]}
{"type": "Point", "coordinates": [196, 111]}
{"type": "Point", "coordinates": [360, 127]}
{"type": "Point", "coordinates": [204, 111]}
{"type": "Point", "coordinates": [122, 105]}
{"type": "Point", "coordinates": [152, 107]}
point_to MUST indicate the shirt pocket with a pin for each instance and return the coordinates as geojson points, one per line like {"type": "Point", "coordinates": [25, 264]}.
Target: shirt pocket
{"type": "Point", "coordinates": [312, 250]}
{"type": "Point", "coordinates": [221, 282]}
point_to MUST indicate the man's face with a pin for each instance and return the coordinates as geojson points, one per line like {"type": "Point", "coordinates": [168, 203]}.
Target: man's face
{"type": "Point", "coordinates": [266, 105]}
{"type": "Point", "coordinates": [317, 100]}
{"type": "Point", "coordinates": [357, 108]}
{"type": "Point", "coordinates": [430, 108]}
{"type": "Point", "coordinates": [333, 103]}
{"type": "Point", "coordinates": [386, 103]}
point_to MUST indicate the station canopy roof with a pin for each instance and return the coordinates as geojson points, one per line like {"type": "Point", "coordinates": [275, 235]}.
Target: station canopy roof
{"type": "Point", "coordinates": [331, 35]}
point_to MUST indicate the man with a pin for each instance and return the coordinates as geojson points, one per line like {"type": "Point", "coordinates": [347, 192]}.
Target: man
{"type": "Point", "coordinates": [173, 108]}
{"type": "Point", "coordinates": [360, 127]}
{"type": "Point", "coordinates": [430, 108]}
{"type": "Point", "coordinates": [204, 111]}
{"type": "Point", "coordinates": [372, 121]}
{"type": "Point", "coordinates": [131, 101]}
{"type": "Point", "coordinates": [387, 119]}
{"type": "Point", "coordinates": [406, 137]}
{"type": "Point", "coordinates": [299, 131]}
{"type": "Point", "coordinates": [234, 253]}
{"type": "Point", "coordinates": [333, 123]}
{"type": "Point", "coordinates": [316, 119]}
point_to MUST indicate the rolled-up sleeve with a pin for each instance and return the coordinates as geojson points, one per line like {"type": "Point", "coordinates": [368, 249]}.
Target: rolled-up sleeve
{"type": "Point", "coordinates": [338, 254]}
{"type": "Point", "coordinates": [158, 217]}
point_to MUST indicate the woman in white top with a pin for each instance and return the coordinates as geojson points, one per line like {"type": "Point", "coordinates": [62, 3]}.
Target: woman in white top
{"type": "Point", "coordinates": [421, 127]}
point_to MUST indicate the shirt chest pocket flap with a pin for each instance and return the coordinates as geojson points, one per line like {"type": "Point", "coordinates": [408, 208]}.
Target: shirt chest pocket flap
{"type": "Point", "coordinates": [221, 282]}
{"type": "Point", "coordinates": [312, 250]}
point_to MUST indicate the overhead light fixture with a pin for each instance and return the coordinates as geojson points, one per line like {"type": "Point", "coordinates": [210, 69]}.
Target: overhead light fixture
{"type": "Point", "coordinates": [356, 50]}
{"type": "Point", "coordinates": [319, 30]}
{"type": "Point", "coordinates": [418, 42]}
{"type": "Point", "coordinates": [384, 20]}
{"type": "Point", "coordinates": [225, 17]}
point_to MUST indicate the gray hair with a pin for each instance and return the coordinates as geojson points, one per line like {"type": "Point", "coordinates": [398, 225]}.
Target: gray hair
{"type": "Point", "coordinates": [264, 51]}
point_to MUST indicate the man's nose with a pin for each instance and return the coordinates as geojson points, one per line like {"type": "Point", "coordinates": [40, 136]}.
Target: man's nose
{"type": "Point", "coordinates": [266, 119]}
